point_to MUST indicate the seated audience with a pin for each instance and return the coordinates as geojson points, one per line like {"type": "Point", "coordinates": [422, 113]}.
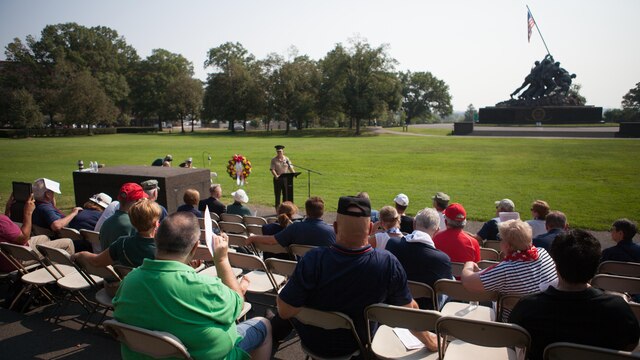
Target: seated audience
{"type": "Point", "coordinates": [11, 233]}
{"type": "Point", "coordinates": [375, 215]}
{"type": "Point", "coordinates": [151, 188]}
{"type": "Point", "coordinates": [454, 241]}
{"type": "Point", "coordinates": [166, 294]}
{"type": "Point", "coordinates": [161, 161]}
{"type": "Point", "coordinates": [131, 250]}
{"type": "Point", "coordinates": [573, 311]}
{"type": "Point", "coordinates": [418, 255]}
{"type": "Point", "coordinates": [119, 224]}
{"type": "Point", "coordinates": [213, 201]}
{"type": "Point", "coordinates": [539, 212]}
{"type": "Point", "coordinates": [187, 163]}
{"type": "Point", "coordinates": [440, 202]}
{"type": "Point", "coordinates": [622, 233]}
{"type": "Point", "coordinates": [555, 223]}
{"type": "Point", "coordinates": [524, 270]}
{"type": "Point", "coordinates": [311, 231]}
{"type": "Point", "coordinates": [286, 211]}
{"type": "Point", "coordinates": [346, 277]}
{"type": "Point", "coordinates": [92, 210]}
{"type": "Point", "coordinates": [401, 202]}
{"type": "Point", "coordinates": [191, 199]}
{"type": "Point", "coordinates": [390, 224]}
{"type": "Point", "coordinates": [489, 230]}
{"type": "Point", "coordinates": [239, 199]}
{"type": "Point", "coordinates": [46, 214]}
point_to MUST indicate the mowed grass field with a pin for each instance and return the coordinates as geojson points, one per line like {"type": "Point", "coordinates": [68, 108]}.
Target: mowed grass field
{"type": "Point", "coordinates": [593, 181]}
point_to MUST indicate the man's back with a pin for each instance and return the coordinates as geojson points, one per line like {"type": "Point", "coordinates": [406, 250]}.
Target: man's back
{"type": "Point", "coordinates": [214, 205]}
{"type": "Point", "coordinates": [625, 250]}
{"type": "Point", "coordinates": [313, 232]}
{"type": "Point", "coordinates": [169, 296]}
{"type": "Point", "coordinates": [545, 240]}
{"type": "Point", "coordinates": [117, 225]}
{"type": "Point", "coordinates": [587, 317]}
{"type": "Point", "coordinates": [458, 245]}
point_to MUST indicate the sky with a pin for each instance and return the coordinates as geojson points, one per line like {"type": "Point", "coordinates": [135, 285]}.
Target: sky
{"type": "Point", "coordinates": [479, 48]}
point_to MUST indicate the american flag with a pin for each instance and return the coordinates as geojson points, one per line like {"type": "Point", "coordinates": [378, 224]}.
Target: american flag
{"type": "Point", "coordinates": [530, 24]}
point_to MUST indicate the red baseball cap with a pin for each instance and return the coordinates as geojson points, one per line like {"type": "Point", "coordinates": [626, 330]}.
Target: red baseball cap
{"type": "Point", "coordinates": [131, 192]}
{"type": "Point", "coordinates": [455, 212]}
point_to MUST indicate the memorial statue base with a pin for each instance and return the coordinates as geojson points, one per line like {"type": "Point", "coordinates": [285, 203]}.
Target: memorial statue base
{"type": "Point", "coordinates": [531, 115]}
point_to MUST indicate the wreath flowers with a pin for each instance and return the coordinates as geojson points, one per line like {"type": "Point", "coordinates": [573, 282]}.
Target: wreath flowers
{"type": "Point", "coordinates": [239, 168]}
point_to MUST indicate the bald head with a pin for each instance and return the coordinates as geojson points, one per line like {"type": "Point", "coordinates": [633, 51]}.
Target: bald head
{"type": "Point", "coordinates": [177, 234]}
{"type": "Point", "coordinates": [352, 231]}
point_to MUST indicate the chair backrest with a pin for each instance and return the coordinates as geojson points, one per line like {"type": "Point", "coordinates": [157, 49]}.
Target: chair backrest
{"type": "Point", "coordinates": [329, 320]}
{"type": "Point", "coordinates": [483, 264]}
{"type": "Point", "coordinates": [621, 284]}
{"type": "Point", "coordinates": [272, 248]}
{"type": "Point", "coordinates": [254, 229]}
{"type": "Point", "coordinates": [203, 253]}
{"type": "Point", "coordinates": [56, 256]}
{"type": "Point", "coordinates": [280, 266]}
{"type": "Point", "coordinates": [481, 333]}
{"type": "Point", "coordinates": [300, 250]}
{"type": "Point", "coordinates": [70, 233]}
{"type": "Point", "coordinates": [232, 227]}
{"type": "Point", "coordinates": [621, 268]}
{"type": "Point", "coordinates": [250, 262]}
{"type": "Point", "coordinates": [238, 241]}
{"type": "Point", "coordinates": [456, 291]}
{"type": "Point", "coordinates": [507, 302]}
{"type": "Point", "coordinates": [255, 220]}
{"type": "Point", "coordinates": [106, 272]}
{"type": "Point", "coordinates": [456, 269]}
{"type": "Point", "coordinates": [157, 344]}
{"type": "Point", "coordinates": [402, 317]}
{"type": "Point", "coordinates": [39, 230]}
{"type": "Point", "coordinates": [492, 244]}
{"type": "Point", "coordinates": [489, 254]}
{"type": "Point", "coordinates": [214, 216]}
{"type": "Point", "coordinates": [271, 220]}
{"type": "Point", "coordinates": [231, 218]}
{"type": "Point", "coordinates": [565, 350]}
{"type": "Point", "coordinates": [122, 270]}
{"type": "Point", "coordinates": [421, 290]}
{"type": "Point", "coordinates": [94, 238]}
{"type": "Point", "coordinates": [13, 253]}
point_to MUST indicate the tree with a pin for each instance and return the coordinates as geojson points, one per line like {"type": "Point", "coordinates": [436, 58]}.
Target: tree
{"type": "Point", "coordinates": [333, 69]}
{"type": "Point", "coordinates": [631, 104]}
{"type": "Point", "coordinates": [23, 111]}
{"type": "Point", "coordinates": [423, 94]}
{"type": "Point", "coordinates": [471, 114]}
{"type": "Point", "coordinates": [186, 98]}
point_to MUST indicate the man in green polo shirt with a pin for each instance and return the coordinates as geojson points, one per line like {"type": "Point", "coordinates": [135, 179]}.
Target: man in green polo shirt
{"type": "Point", "coordinates": [166, 294]}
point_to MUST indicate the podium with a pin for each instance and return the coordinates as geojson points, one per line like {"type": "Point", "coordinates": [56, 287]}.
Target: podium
{"type": "Point", "coordinates": [287, 182]}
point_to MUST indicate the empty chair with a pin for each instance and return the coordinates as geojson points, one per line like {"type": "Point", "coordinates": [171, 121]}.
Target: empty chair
{"type": "Point", "coordinates": [476, 339]}
{"type": "Point", "coordinates": [261, 280]}
{"type": "Point", "coordinates": [422, 293]}
{"type": "Point", "coordinates": [621, 268]}
{"type": "Point", "coordinates": [111, 280]}
{"type": "Point", "coordinates": [615, 283]}
{"type": "Point", "coordinates": [238, 243]}
{"type": "Point", "coordinates": [203, 253]}
{"type": "Point", "coordinates": [254, 229]}
{"type": "Point", "coordinates": [492, 244]}
{"type": "Point", "coordinates": [231, 218]}
{"type": "Point", "coordinates": [299, 250]}
{"type": "Point", "coordinates": [70, 233]}
{"type": "Point", "coordinates": [232, 228]}
{"type": "Point", "coordinates": [569, 351]}
{"type": "Point", "coordinates": [254, 220]}
{"type": "Point", "coordinates": [157, 344]}
{"type": "Point", "coordinates": [489, 254]}
{"type": "Point", "coordinates": [92, 237]}
{"type": "Point", "coordinates": [386, 344]}
{"type": "Point", "coordinates": [329, 320]}
{"type": "Point", "coordinates": [456, 291]}
{"type": "Point", "coordinates": [271, 248]}
{"type": "Point", "coordinates": [281, 267]}
{"type": "Point", "coordinates": [214, 216]}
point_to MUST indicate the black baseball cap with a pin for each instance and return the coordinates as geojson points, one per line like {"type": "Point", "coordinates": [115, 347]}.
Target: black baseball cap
{"type": "Point", "coordinates": [279, 147]}
{"type": "Point", "coordinates": [346, 202]}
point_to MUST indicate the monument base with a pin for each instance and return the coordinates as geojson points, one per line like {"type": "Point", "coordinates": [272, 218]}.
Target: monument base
{"type": "Point", "coordinates": [540, 114]}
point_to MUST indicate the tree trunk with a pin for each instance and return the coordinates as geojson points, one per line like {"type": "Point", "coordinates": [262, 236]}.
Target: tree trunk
{"type": "Point", "coordinates": [286, 132]}
{"type": "Point", "coordinates": [159, 123]}
{"type": "Point", "coordinates": [182, 124]}
{"type": "Point", "coordinates": [89, 130]}
{"type": "Point", "coordinates": [231, 126]}
{"type": "Point", "coordinates": [350, 123]}
{"type": "Point", "coordinates": [357, 126]}
{"type": "Point", "coordinates": [192, 121]}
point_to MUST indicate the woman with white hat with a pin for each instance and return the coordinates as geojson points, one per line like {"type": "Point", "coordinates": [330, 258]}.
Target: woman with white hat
{"type": "Point", "coordinates": [239, 199]}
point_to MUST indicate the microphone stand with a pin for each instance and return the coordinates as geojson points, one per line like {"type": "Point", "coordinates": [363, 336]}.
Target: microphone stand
{"type": "Point", "coordinates": [309, 171]}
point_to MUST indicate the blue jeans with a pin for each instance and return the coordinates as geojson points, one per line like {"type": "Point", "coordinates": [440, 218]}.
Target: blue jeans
{"type": "Point", "coordinates": [253, 332]}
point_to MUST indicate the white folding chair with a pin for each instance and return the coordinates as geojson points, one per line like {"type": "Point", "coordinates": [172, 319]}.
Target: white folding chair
{"type": "Point", "coordinates": [157, 344]}
{"type": "Point", "coordinates": [231, 218]}
{"type": "Point", "coordinates": [214, 216]}
{"type": "Point", "coordinates": [111, 280]}
{"type": "Point", "coordinates": [456, 291]}
{"type": "Point", "coordinates": [253, 229]}
{"type": "Point", "coordinates": [298, 250]}
{"type": "Point", "coordinates": [489, 254]}
{"type": "Point", "coordinates": [70, 233]}
{"type": "Point", "coordinates": [232, 227]}
{"type": "Point", "coordinates": [254, 220]}
{"type": "Point", "coordinates": [620, 268]}
{"type": "Point", "coordinates": [261, 279]}
{"type": "Point", "coordinates": [271, 248]}
{"type": "Point", "coordinates": [422, 291]}
{"type": "Point", "coordinates": [565, 351]}
{"type": "Point", "coordinates": [92, 237]}
{"type": "Point", "coordinates": [616, 283]}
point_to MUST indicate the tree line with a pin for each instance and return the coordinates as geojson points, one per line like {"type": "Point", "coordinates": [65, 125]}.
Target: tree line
{"type": "Point", "coordinates": [74, 75]}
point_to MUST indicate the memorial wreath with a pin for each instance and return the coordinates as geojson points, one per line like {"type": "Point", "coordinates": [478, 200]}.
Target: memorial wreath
{"type": "Point", "coordinates": [239, 168]}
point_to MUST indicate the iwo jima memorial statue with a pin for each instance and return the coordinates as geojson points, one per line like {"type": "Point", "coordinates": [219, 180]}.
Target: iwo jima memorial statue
{"type": "Point", "coordinates": [545, 97]}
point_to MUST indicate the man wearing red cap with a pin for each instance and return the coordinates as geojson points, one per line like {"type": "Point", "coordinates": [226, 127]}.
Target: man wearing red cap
{"type": "Point", "coordinates": [454, 241]}
{"type": "Point", "coordinates": [119, 224]}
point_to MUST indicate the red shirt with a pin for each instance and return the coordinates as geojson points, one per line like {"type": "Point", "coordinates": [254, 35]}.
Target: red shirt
{"type": "Point", "coordinates": [9, 232]}
{"type": "Point", "coordinates": [458, 245]}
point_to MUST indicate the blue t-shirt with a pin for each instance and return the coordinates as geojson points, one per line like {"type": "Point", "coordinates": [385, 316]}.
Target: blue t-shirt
{"type": "Point", "coordinates": [624, 250]}
{"type": "Point", "coordinates": [489, 230]}
{"type": "Point", "coordinates": [45, 214]}
{"type": "Point", "coordinates": [271, 229]}
{"type": "Point", "coordinates": [545, 240]}
{"type": "Point", "coordinates": [313, 232]}
{"type": "Point", "coordinates": [86, 219]}
{"type": "Point", "coordinates": [345, 280]}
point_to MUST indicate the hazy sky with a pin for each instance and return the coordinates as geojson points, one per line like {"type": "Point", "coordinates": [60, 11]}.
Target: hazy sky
{"type": "Point", "coordinates": [479, 48]}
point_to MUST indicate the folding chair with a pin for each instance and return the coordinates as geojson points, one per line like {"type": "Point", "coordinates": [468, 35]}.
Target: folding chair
{"type": "Point", "coordinates": [489, 254]}
{"type": "Point", "coordinates": [565, 350]}
{"type": "Point", "coordinates": [456, 291]}
{"type": "Point", "coordinates": [94, 238]}
{"type": "Point", "coordinates": [483, 264]}
{"type": "Point", "coordinates": [281, 267]}
{"type": "Point", "coordinates": [615, 283]}
{"type": "Point", "coordinates": [122, 270]}
{"type": "Point", "coordinates": [274, 248]}
{"type": "Point", "coordinates": [111, 280]}
{"type": "Point", "coordinates": [254, 220]}
{"type": "Point", "coordinates": [214, 223]}
{"type": "Point", "coordinates": [621, 268]}
{"type": "Point", "coordinates": [231, 218]}
{"type": "Point", "coordinates": [214, 216]}
{"type": "Point", "coordinates": [271, 220]}
{"type": "Point", "coordinates": [239, 244]}
{"type": "Point", "coordinates": [232, 227]}
{"type": "Point", "coordinates": [70, 233]}
{"type": "Point", "coordinates": [422, 291]}
{"type": "Point", "coordinates": [476, 339]}
{"type": "Point", "coordinates": [157, 344]}
{"type": "Point", "coordinates": [329, 320]}
{"type": "Point", "coordinates": [298, 250]}
{"type": "Point", "coordinates": [261, 280]}
{"type": "Point", "coordinates": [456, 269]}
{"type": "Point", "coordinates": [202, 253]}
{"type": "Point", "coordinates": [506, 303]}
{"type": "Point", "coordinates": [386, 344]}
{"type": "Point", "coordinates": [492, 244]}
{"type": "Point", "coordinates": [39, 230]}
{"type": "Point", "coordinates": [253, 229]}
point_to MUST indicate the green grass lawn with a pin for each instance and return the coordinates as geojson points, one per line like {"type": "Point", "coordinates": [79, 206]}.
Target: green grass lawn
{"type": "Point", "coordinates": [592, 181]}
{"type": "Point", "coordinates": [424, 130]}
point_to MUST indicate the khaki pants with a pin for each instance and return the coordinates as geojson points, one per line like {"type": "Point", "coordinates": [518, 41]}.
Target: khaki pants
{"type": "Point", "coordinates": [64, 243]}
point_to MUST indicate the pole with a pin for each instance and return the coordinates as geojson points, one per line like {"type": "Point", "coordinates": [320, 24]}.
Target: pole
{"type": "Point", "coordinates": [537, 28]}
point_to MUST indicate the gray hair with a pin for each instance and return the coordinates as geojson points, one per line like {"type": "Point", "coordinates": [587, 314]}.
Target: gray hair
{"type": "Point", "coordinates": [178, 233]}
{"type": "Point", "coordinates": [456, 224]}
{"type": "Point", "coordinates": [427, 218]}
{"type": "Point", "coordinates": [39, 189]}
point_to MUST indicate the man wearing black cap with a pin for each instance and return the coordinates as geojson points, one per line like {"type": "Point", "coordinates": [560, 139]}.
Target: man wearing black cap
{"type": "Point", "coordinates": [346, 277]}
{"type": "Point", "coordinates": [280, 164]}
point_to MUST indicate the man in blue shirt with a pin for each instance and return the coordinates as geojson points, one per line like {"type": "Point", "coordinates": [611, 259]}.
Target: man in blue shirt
{"type": "Point", "coordinates": [556, 224]}
{"type": "Point", "coordinates": [311, 231]}
{"type": "Point", "coordinates": [346, 277]}
{"type": "Point", "coordinates": [622, 233]}
{"type": "Point", "coordinates": [46, 214]}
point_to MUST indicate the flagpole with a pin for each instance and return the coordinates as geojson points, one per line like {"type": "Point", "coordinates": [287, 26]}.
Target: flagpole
{"type": "Point", "coordinates": [536, 24]}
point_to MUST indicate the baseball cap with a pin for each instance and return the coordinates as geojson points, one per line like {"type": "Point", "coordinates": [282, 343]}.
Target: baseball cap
{"type": "Point", "coordinates": [168, 157]}
{"type": "Point", "coordinates": [402, 200]}
{"type": "Point", "coordinates": [440, 196]}
{"type": "Point", "coordinates": [101, 199]}
{"type": "Point", "coordinates": [506, 205]}
{"type": "Point", "coordinates": [189, 160]}
{"type": "Point", "coordinates": [455, 212]}
{"type": "Point", "coordinates": [279, 147]}
{"type": "Point", "coordinates": [131, 192]}
{"type": "Point", "coordinates": [240, 196]}
{"type": "Point", "coordinates": [346, 202]}
{"type": "Point", "coordinates": [150, 184]}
